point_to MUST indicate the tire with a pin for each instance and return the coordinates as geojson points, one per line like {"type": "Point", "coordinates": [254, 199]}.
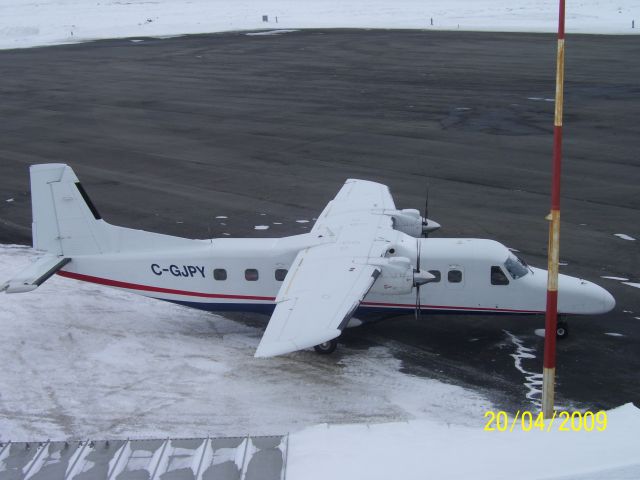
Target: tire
{"type": "Point", "coordinates": [327, 348]}
{"type": "Point", "coordinates": [562, 330]}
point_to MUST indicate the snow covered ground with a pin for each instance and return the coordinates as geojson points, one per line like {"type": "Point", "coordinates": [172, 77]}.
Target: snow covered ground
{"type": "Point", "coordinates": [434, 449]}
{"type": "Point", "coordinates": [26, 24]}
{"type": "Point", "coordinates": [80, 360]}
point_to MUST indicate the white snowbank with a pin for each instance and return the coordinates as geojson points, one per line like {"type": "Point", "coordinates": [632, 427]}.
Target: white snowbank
{"type": "Point", "coordinates": [433, 449]}
{"type": "Point", "coordinates": [81, 360]}
{"type": "Point", "coordinates": [26, 24]}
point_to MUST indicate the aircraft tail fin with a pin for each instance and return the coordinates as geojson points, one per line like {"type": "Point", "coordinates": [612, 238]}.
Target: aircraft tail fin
{"type": "Point", "coordinates": [65, 221]}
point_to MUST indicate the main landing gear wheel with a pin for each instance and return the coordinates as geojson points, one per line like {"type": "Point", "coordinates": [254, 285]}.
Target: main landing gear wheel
{"type": "Point", "coordinates": [562, 330]}
{"type": "Point", "coordinates": [327, 347]}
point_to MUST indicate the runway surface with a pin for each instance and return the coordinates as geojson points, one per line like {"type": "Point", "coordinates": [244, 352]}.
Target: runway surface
{"type": "Point", "coordinates": [168, 134]}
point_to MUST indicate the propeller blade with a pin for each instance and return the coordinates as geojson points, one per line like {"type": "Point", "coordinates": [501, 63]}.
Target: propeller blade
{"type": "Point", "coordinates": [418, 248]}
{"type": "Point", "coordinates": [425, 234]}
{"type": "Point", "coordinates": [426, 204]}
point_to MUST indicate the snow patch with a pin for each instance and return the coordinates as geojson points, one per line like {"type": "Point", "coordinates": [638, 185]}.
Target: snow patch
{"type": "Point", "coordinates": [622, 279]}
{"type": "Point", "coordinates": [539, 332]}
{"type": "Point", "coordinates": [302, 221]}
{"type": "Point", "coordinates": [269, 32]}
{"type": "Point", "coordinates": [632, 284]}
{"type": "Point", "coordinates": [261, 227]}
{"type": "Point", "coordinates": [533, 380]}
{"type": "Point", "coordinates": [624, 236]}
{"type": "Point", "coordinates": [424, 449]}
{"type": "Point", "coordinates": [222, 216]}
{"type": "Point", "coordinates": [614, 334]}
{"type": "Point", "coordinates": [27, 24]}
{"type": "Point", "coordinates": [9, 200]}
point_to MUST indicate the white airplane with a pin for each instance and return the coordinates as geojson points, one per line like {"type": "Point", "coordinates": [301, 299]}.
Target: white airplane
{"type": "Point", "coordinates": [363, 256]}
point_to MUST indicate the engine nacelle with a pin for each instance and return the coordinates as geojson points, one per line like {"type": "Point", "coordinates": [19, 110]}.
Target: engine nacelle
{"type": "Point", "coordinates": [408, 221]}
{"type": "Point", "coordinates": [396, 277]}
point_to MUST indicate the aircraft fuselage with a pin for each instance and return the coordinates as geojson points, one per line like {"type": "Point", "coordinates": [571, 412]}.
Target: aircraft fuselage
{"type": "Point", "coordinates": [474, 276]}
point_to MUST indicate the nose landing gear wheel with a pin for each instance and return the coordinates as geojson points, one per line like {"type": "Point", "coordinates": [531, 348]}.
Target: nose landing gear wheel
{"type": "Point", "coordinates": [327, 347]}
{"type": "Point", "coordinates": [562, 330]}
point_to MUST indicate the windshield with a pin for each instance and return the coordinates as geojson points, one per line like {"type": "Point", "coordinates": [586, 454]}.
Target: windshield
{"type": "Point", "coordinates": [516, 267]}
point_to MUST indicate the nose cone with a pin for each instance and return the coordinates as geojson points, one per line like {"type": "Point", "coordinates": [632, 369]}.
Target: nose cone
{"type": "Point", "coordinates": [582, 297]}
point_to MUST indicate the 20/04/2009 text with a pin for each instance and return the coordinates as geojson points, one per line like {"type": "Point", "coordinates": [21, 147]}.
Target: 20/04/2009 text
{"type": "Point", "coordinates": [533, 421]}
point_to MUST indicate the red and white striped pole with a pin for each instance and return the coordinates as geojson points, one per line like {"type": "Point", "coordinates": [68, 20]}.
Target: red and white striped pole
{"type": "Point", "coordinates": [551, 319]}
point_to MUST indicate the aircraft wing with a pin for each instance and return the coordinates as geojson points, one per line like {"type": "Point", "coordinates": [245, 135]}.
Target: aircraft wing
{"type": "Point", "coordinates": [316, 301]}
{"type": "Point", "coordinates": [327, 282]}
{"type": "Point", "coordinates": [364, 198]}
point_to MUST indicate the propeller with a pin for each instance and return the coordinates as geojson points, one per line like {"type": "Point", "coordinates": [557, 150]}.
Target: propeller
{"type": "Point", "coordinates": [425, 221]}
{"type": "Point", "coordinates": [418, 311]}
{"type": "Point", "coordinates": [426, 204]}
{"type": "Point", "coordinates": [428, 226]}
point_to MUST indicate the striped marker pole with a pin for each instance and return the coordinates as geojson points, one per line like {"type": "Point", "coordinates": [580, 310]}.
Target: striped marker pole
{"type": "Point", "coordinates": [551, 319]}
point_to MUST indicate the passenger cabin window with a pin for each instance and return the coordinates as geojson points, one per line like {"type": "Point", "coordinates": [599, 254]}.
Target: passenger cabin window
{"type": "Point", "coordinates": [498, 277]}
{"type": "Point", "coordinates": [280, 274]}
{"type": "Point", "coordinates": [454, 276]}
{"type": "Point", "coordinates": [436, 274]}
{"type": "Point", "coordinates": [251, 275]}
{"type": "Point", "coordinates": [220, 274]}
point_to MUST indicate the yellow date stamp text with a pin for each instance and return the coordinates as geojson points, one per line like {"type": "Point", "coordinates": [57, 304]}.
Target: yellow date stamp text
{"type": "Point", "coordinates": [500, 421]}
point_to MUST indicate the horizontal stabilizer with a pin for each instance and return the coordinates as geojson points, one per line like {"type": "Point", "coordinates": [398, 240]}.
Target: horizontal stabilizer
{"type": "Point", "coordinates": [35, 274]}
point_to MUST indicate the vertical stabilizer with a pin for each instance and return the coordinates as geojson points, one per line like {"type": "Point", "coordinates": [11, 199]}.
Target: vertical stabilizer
{"type": "Point", "coordinates": [65, 221]}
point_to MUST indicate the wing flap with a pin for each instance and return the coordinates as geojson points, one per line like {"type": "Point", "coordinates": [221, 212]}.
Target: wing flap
{"type": "Point", "coordinates": [316, 301]}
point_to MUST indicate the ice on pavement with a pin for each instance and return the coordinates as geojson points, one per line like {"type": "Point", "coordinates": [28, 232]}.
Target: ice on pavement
{"type": "Point", "coordinates": [430, 449]}
{"type": "Point", "coordinates": [80, 360]}
{"type": "Point", "coordinates": [532, 380]}
{"type": "Point", "coordinates": [26, 24]}
{"type": "Point", "coordinates": [624, 236]}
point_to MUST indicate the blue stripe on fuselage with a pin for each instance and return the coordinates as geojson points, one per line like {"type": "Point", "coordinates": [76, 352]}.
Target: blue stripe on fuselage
{"type": "Point", "coordinates": [361, 313]}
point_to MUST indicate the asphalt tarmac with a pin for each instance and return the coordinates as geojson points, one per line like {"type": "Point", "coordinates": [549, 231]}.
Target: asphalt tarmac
{"type": "Point", "coordinates": [167, 134]}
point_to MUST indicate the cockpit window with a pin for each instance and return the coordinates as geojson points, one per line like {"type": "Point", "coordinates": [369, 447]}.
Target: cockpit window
{"type": "Point", "coordinates": [516, 267]}
{"type": "Point", "coordinates": [498, 277]}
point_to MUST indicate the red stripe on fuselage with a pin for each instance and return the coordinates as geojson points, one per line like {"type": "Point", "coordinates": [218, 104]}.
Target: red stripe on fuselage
{"type": "Point", "coordinates": [171, 291]}
{"type": "Point", "coordinates": [147, 288]}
